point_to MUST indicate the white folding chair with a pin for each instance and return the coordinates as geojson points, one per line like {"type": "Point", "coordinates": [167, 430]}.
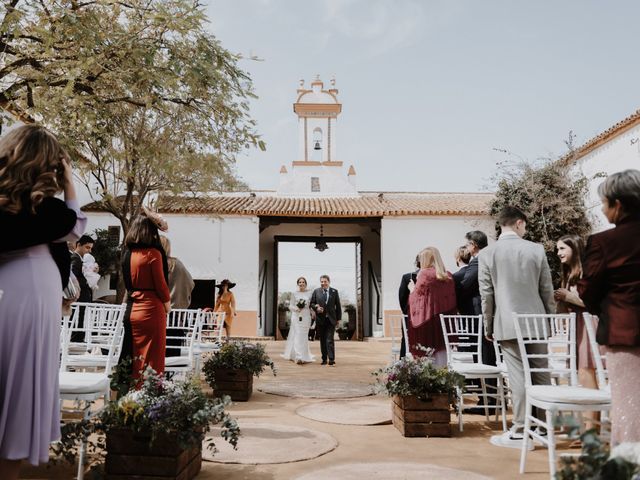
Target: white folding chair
{"type": "Point", "coordinates": [463, 340]}
{"type": "Point", "coordinates": [209, 336]}
{"type": "Point", "coordinates": [182, 330]}
{"type": "Point", "coordinates": [599, 359]}
{"type": "Point", "coordinates": [99, 325]}
{"type": "Point", "coordinates": [398, 327]}
{"type": "Point", "coordinates": [84, 388]}
{"type": "Point", "coordinates": [548, 345]}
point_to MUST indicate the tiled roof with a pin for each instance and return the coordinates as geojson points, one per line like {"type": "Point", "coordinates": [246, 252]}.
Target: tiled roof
{"type": "Point", "coordinates": [370, 204]}
{"type": "Point", "coordinates": [620, 127]}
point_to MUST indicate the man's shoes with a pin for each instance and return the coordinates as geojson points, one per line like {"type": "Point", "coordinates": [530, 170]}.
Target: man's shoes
{"type": "Point", "coordinates": [324, 362]}
{"type": "Point", "coordinates": [332, 363]}
{"type": "Point", "coordinates": [509, 440]}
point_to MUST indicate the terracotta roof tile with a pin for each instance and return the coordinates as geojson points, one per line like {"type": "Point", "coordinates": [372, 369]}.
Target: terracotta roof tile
{"type": "Point", "coordinates": [620, 127]}
{"type": "Point", "coordinates": [370, 204]}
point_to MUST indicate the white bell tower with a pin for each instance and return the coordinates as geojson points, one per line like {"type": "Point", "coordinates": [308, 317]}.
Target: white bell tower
{"type": "Point", "coordinates": [317, 171]}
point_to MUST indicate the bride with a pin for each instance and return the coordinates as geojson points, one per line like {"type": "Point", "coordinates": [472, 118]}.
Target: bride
{"type": "Point", "coordinates": [297, 349]}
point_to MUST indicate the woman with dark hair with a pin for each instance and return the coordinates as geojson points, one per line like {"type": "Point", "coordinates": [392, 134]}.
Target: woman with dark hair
{"type": "Point", "coordinates": [297, 348]}
{"type": "Point", "coordinates": [34, 267]}
{"type": "Point", "coordinates": [226, 302]}
{"type": "Point", "coordinates": [610, 288]}
{"type": "Point", "coordinates": [570, 251]}
{"type": "Point", "coordinates": [145, 271]}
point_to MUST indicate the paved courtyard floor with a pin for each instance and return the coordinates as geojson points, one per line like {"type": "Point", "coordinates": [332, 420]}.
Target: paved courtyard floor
{"type": "Point", "coordinates": [360, 449]}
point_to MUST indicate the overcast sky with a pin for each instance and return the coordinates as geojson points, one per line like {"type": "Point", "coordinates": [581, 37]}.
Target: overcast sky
{"type": "Point", "coordinates": [432, 87]}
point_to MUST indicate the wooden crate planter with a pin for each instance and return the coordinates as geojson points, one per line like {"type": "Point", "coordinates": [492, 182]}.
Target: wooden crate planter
{"type": "Point", "coordinates": [238, 384]}
{"type": "Point", "coordinates": [131, 455]}
{"type": "Point", "coordinates": [417, 418]}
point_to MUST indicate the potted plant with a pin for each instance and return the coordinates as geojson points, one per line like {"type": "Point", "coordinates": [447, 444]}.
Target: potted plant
{"type": "Point", "coordinates": [421, 393]}
{"type": "Point", "coordinates": [155, 431]}
{"type": "Point", "coordinates": [230, 370]}
{"type": "Point", "coordinates": [284, 314]}
{"type": "Point", "coordinates": [159, 429]}
{"type": "Point", "coordinates": [350, 310]}
{"type": "Point", "coordinates": [342, 328]}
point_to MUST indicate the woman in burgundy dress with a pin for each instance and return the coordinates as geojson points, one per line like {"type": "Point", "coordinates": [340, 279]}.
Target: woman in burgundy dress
{"type": "Point", "coordinates": [144, 266]}
{"type": "Point", "coordinates": [434, 293]}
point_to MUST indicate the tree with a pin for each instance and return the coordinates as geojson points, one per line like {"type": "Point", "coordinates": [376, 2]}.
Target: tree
{"type": "Point", "coordinates": [551, 195]}
{"type": "Point", "coordinates": [139, 91]}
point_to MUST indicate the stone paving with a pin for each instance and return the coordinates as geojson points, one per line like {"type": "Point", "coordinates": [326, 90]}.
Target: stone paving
{"type": "Point", "coordinates": [377, 451]}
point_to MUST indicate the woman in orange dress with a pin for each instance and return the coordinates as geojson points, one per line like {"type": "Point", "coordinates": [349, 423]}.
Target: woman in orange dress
{"type": "Point", "coordinates": [145, 271]}
{"type": "Point", "coordinates": [226, 302]}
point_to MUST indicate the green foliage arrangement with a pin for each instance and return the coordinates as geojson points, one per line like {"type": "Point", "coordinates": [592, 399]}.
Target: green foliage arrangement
{"type": "Point", "coordinates": [106, 251]}
{"type": "Point", "coordinates": [238, 356]}
{"type": "Point", "coordinates": [179, 408]}
{"type": "Point", "coordinates": [418, 377]}
{"type": "Point", "coordinates": [140, 92]}
{"type": "Point", "coordinates": [552, 197]}
{"type": "Point", "coordinates": [596, 462]}
{"type": "Point", "coordinates": [158, 407]}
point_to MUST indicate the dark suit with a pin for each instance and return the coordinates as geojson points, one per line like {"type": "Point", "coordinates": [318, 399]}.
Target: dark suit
{"type": "Point", "coordinates": [327, 320]}
{"type": "Point", "coordinates": [610, 285]}
{"type": "Point", "coordinates": [468, 295]}
{"type": "Point", "coordinates": [403, 299]}
{"type": "Point", "coordinates": [86, 295]}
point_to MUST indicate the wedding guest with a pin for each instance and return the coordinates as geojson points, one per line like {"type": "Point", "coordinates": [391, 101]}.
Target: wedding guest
{"type": "Point", "coordinates": [465, 302]}
{"type": "Point", "coordinates": [434, 294]}
{"type": "Point", "coordinates": [145, 272]}
{"type": "Point", "coordinates": [570, 251]}
{"type": "Point", "coordinates": [514, 276]}
{"type": "Point", "coordinates": [90, 269]}
{"type": "Point", "coordinates": [83, 246]}
{"type": "Point", "coordinates": [34, 268]}
{"type": "Point", "coordinates": [226, 302]}
{"type": "Point", "coordinates": [180, 281]}
{"type": "Point", "coordinates": [407, 284]}
{"type": "Point", "coordinates": [610, 288]}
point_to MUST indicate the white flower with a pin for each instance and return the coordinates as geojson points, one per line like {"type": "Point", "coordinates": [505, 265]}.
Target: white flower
{"type": "Point", "coordinates": [628, 451]}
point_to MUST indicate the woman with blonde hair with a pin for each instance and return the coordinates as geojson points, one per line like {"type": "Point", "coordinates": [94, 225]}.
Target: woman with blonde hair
{"type": "Point", "coordinates": [434, 293]}
{"type": "Point", "coordinates": [34, 267]}
{"type": "Point", "coordinates": [180, 281]}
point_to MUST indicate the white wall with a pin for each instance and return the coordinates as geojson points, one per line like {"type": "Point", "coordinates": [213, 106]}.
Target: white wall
{"type": "Point", "coordinates": [404, 237]}
{"type": "Point", "coordinates": [211, 248]}
{"type": "Point", "coordinates": [620, 153]}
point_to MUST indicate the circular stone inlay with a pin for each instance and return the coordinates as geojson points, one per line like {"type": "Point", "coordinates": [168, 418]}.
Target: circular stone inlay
{"type": "Point", "coordinates": [391, 471]}
{"type": "Point", "coordinates": [270, 443]}
{"type": "Point", "coordinates": [366, 411]}
{"type": "Point", "coordinates": [316, 388]}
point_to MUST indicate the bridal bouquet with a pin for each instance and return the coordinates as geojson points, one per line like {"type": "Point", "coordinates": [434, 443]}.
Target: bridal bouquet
{"type": "Point", "coordinates": [301, 303]}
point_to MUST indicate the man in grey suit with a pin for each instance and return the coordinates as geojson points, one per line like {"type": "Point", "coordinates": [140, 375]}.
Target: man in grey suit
{"type": "Point", "coordinates": [514, 276]}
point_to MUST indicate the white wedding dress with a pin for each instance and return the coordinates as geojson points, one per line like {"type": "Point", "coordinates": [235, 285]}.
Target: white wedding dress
{"type": "Point", "coordinates": [297, 348]}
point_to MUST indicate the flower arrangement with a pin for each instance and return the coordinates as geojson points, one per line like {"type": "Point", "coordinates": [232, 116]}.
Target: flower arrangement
{"type": "Point", "coordinates": [238, 356]}
{"type": "Point", "coordinates": [179, 408]}
{"type": "Point", "coordinates": [301, 303]}
{"type": "Point", "coordinates": [418, 377]}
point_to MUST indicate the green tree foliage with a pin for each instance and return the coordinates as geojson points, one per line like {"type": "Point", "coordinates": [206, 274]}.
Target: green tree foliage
{"type": "Point", "coordinates": [106, 251]}
{"type": "Point", "coordinates": [552, 197]}
{"type": "Point", "coordinates": [148, 100]}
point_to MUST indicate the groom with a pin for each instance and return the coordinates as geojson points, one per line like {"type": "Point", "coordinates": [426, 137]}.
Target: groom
{"type": "Point", "coordinates": [325, 301]}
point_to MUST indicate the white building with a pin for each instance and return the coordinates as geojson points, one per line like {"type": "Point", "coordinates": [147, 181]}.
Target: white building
{"type": "Point", "coordinates": [615, 149]}
{"type": "Point", "coordinates": [236, 235]}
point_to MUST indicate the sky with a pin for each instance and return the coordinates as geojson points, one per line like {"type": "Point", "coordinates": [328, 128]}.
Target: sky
{"type": "Point", "coordinates": [432, 89]}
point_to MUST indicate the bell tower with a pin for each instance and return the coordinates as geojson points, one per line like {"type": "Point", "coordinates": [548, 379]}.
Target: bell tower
{"type": "Point", "coordinates": [317, 111]}
{"type": "Point", "coordinates": [317, 171]}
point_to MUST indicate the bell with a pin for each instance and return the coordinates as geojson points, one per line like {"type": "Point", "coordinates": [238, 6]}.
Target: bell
{"type": "Point", "coordinates": [317, 146]}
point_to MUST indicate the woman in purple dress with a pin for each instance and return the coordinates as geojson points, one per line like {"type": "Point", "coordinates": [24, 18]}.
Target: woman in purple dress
{"type": "Point", "coordinates": [34, 266]}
